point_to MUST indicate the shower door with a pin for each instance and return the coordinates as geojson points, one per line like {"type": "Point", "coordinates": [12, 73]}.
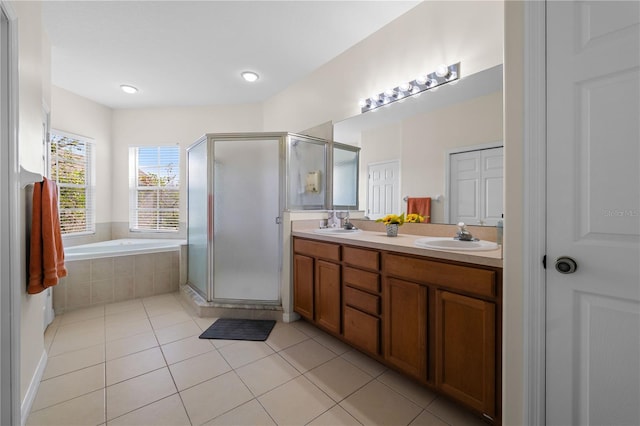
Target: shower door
{"type": "Point", "coordinates": [198, 218]}
{"type": "Point", "coordinates": [247, 206]}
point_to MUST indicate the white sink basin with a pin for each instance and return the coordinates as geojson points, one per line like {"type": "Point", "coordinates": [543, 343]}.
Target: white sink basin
{"type": "Point", "coordinates": [446, 243]}
{"type": "Point", "coordinates": [336, 231]}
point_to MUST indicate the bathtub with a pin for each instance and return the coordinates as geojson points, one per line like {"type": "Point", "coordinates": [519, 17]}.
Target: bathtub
{"type": "Point", "coordinates": [118, 270]}
{"type": "Point", "coordinates": [122, 247]}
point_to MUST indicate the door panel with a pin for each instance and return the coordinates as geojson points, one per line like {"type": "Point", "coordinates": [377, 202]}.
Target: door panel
{"type": "Point", "coordinates": [384, 189]}
{"type": "Point", "coordinates": [466, 343]}
{"type": "Point", "coordinates": [405, 326]}
{"type": "Point", "coordinates": [303, 277]}
{"type": "Point", "coordinates": [593, 212]}
{"type": "Point", "coordinates": [327, 295]}
{"type": "Point", "coordinates": [476, 186]}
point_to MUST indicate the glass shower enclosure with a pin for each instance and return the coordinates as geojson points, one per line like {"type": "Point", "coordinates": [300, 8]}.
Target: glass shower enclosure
{"type": "Point", "coordinates": [238, 187]}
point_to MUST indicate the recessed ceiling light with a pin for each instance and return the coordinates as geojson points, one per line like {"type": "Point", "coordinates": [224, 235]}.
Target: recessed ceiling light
{"type": "Point", "coordinates": [250, 76]}
{"type": "Point", "coordinates": [128, 89]}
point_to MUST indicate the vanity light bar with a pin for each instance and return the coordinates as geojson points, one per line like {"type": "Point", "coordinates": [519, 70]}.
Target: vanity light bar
{"type": "Point", "coordinates": [444, 74]}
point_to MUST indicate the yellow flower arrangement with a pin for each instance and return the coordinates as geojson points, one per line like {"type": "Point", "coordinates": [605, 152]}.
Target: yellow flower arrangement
{"type": "Point", "coordinates": [391, 219]}
{"type": "Point", "coordinates": [414, 218]}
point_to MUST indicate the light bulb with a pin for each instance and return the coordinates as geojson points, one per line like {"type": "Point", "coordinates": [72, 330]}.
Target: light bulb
{"type": "Point", "coordinates": [442, 70]}
{"type": "Point", "coordinates": [405, 87]}
{"type": "Point", "coordinates": [433, 82]}
{"type": "Point", "coordinates": [363, 103]}
{"type": "Point", "coordinates": [453, 75]}
{"type": "Point", "coordinates": [128, 89]}
{"type": "Point", "coordinates": [389, 93]}
{"type": "Point", "coordinates": [422, 80]}
{"type": "Point", "coordinates": [250, 76]}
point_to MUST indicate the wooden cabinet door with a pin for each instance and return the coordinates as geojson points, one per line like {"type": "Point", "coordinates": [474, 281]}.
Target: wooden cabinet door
{"type": "Point", "coordinates": [303, 275]}
{"type": "Point", "coordinates": [465, 342]}
{"type": "Point", "coordinates": [327, 295]}
{"type": "Point", "coordinates": [405, 326]}
{"type": "Point", "coordinates": [362, 330]}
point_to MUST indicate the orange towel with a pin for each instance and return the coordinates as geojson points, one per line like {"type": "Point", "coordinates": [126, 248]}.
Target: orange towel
{"type": "Point", "coordinates": [46, 262]}
{"type": "Point", "coordinates": [421, 206]}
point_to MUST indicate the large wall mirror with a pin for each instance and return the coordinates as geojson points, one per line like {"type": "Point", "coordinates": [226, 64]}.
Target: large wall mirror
{"type": "Point", "coordinates": [444, 144]}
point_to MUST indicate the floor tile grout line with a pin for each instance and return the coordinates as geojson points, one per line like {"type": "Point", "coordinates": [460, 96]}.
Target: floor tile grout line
{"type": "Point", "coordinates": [336, 405]}
{"type": "Point", "coordinates": [107, 421]}
{"type": "Point", "coordinates": [319, 365]}
{"type": "Point", "coordinates": [351, 393]}
{"type": "Point", "coordinates": [65, 401]}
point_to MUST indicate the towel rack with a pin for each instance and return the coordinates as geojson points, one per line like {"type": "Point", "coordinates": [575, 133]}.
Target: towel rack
{"type": "Point", "coordinates": [27, 177]}
{"type": "Point", "coordinates": [436, 198]}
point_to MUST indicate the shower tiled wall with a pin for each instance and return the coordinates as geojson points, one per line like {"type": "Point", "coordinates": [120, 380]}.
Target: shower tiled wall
{"type": "Point", "coordinates": [112, 279]}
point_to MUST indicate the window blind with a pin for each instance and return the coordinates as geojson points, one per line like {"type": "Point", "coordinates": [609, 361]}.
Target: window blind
{"type": "Point", "coordinates": [71, 165]}
{"type": "Point", "coordinates": [155, 184]}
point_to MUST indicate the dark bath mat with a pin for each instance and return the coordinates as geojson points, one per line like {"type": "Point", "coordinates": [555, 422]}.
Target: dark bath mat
{"type": "Point", "coordinates": [239, 329]}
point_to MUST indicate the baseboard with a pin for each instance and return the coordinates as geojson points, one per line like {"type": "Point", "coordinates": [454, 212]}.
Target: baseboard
{"type": "Point", "coordinates": [290, 317]}
{"type": "Point", "coordinates": [32, 390]}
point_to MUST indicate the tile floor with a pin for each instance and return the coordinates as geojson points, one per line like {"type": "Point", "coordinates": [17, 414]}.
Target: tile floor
{"type": "Point", "coordinates": [140, 362]}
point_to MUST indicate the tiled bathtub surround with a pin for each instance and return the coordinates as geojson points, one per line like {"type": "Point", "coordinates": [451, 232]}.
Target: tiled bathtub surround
{"type": "Point", "coordinates": [113, 279]}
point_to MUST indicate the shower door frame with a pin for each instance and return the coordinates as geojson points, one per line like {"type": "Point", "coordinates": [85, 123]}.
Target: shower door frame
{"type": "Point", "coordinates": [281, 138]}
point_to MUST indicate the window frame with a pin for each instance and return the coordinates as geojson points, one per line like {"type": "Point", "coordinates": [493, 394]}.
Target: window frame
{"type": "Point", "coordinates": [89, 185]}
{"type": "Point", "coordinates": [134, 189]}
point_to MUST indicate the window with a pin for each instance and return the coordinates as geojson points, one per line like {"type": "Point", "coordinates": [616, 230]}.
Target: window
{"type": "Point", "coordinates": [155, 188]}
{"type": "Point", "coordinates": [71, 167]}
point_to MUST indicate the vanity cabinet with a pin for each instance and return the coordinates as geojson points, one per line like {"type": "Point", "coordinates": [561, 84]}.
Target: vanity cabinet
{"type": "Point", "coordinates": [327, 295]}
{"type": "Point", "coordinates": [303, 278]}
{"type": "Point", "coordinates": [316, 283]}
{"type": "Point", "coordinates": [435, 320]}
{"type": "Point", "coordinates": [361, 299]}
{"type": "Point", "coordinates": [466, 345]}
{"type": "Point", "coordinates": [405, 327]}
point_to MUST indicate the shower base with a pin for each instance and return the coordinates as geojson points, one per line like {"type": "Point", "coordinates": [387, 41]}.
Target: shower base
{"type": "Point", "coordinates": [239, 309]}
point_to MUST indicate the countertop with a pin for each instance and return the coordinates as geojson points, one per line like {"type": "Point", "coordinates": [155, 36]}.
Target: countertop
{"type": "Point", "coordinates": [405, 243]}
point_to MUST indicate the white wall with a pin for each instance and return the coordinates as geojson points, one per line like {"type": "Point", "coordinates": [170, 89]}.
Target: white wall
{"type": "Point", "coordinates": [432, 33]}
{"type": "Point", "coordinates": [74, 114]}
{"type": "Point", "coordinates": [34, 65]}
{"type": "Point", "coordinates": [168, 126]}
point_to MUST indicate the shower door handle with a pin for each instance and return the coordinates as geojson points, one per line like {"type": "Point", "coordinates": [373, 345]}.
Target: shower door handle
{"type": "Point", "coordinates": [278, 221]}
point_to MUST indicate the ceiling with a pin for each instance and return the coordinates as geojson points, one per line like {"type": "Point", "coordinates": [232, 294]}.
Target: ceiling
{"type": "Point", "coordinates": [191, 53]}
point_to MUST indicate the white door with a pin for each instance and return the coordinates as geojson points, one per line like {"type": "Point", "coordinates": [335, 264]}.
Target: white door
{"type": "Point", "coordinates": [593, 213]}
{"type": "Point", "coordinates": [383, 196]}
{"type": "Point", "coordinates": [476, 186]}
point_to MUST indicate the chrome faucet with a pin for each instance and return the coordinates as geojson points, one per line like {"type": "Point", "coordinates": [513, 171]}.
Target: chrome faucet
{"type": "Point", "coordinates": [347, 224]}
{"type": "Point", "coordinates": [463, 234]}
{"type": "Point", "coordinates": [333, 221]}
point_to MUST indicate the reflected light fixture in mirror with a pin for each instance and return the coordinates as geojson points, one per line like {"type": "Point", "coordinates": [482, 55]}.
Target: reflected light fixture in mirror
{"type": "Point", "coordinates": [442, 75]}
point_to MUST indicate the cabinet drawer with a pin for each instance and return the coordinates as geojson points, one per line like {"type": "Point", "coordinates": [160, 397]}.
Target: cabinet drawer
{"type": "Point", "coordinates": [362, 330]}
{"type": "Point", "coordinates": [317, 249]}
{"type": "Point", "coordinates": [361, 279]}
{"type": "Point", "coordinates": [360, 257]}
{"type": "Point", "coordinates": [364, 301]}
{"type": "Point", "coordinates": [479, 281]}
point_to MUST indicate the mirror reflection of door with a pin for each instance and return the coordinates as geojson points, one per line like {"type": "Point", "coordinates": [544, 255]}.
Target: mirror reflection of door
{"type": "Point", "coordinates": [383, 195]}
{"type": "Point", "coordinates": [476, 186]}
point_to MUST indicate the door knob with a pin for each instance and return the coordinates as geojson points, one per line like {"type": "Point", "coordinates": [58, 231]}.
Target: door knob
{"type": "Point", "coordinates": [566, 265]}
